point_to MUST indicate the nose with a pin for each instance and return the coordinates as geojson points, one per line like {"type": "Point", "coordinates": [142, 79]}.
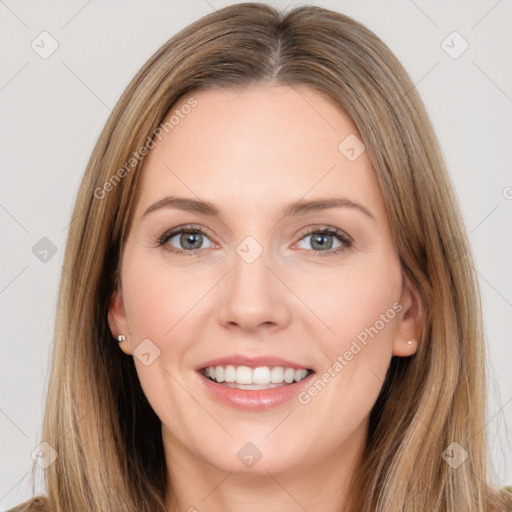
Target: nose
{"type": "Point", "coordinates": [253, 296]}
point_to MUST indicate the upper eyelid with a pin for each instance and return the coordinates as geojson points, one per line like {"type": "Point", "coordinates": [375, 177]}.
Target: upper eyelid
{"type": "Point", "coordinates": [179, 229]}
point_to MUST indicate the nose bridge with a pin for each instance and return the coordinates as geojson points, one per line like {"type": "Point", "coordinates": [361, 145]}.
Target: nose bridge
{"type": "Point", "coordinates": [252, 294]}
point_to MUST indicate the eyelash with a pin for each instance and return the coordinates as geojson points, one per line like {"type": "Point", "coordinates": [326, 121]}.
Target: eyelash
{"type": "Point", "coordinates": [342, 237]}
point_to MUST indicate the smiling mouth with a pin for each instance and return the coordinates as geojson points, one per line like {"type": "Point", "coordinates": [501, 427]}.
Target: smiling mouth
{"type": "Point", "coordinates": [261, 377]}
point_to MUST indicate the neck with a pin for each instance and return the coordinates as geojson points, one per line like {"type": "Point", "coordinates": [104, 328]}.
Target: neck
{"type": "Point", "coordinates": [324, 486]}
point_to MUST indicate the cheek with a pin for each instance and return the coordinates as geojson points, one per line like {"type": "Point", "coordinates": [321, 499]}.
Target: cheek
{"type": "Point", "coordinates": [158, 297]}
{"type": "Point", "coordinates": [353, 300]}
{"type": "Point", "coordinates": [158, 302]}
{"type": "Point", "coordinates": [360, 306]}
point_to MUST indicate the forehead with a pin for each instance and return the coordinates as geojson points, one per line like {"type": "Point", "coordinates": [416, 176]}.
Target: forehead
{"type": "Point", "coordinates": [259, 145]}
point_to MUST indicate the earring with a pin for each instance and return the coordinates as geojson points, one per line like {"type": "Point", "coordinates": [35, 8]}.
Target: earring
{"type": "Point", "coordinates": [409, 342]}
{"type": "Point", "coordinates": [121, 338]}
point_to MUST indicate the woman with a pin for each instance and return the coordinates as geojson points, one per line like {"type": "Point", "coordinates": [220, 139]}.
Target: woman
{"type": "Point", "coordinates": [263, 307]}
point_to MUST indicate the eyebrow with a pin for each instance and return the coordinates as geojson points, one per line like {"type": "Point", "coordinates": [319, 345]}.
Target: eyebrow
{"type": "Point", "coordinates": [295, 209]}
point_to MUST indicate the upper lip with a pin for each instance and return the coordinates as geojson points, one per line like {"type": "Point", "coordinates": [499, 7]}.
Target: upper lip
{"type": "Point", "coordinates": [252, 362]}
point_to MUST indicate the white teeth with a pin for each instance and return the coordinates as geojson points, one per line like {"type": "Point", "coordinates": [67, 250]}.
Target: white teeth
{"type": "Point", "coordinates": [262, 377]}
{"type": "Point", "coordinates": [251, 386]}
{"type": "Point", "coordinates": [289, 375]}
{"type": "Point", "coordinates": [300, 374]}
{"type": "Point", "coordinates": [277, 375]}
{"type": "Point", "coordinates": [243, 375]}
{"type": "Point", "coordinates": [230, 373]}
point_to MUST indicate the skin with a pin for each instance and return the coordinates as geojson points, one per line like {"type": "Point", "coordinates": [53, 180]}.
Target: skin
{"type": "Point", "coordinates": [252, 152]}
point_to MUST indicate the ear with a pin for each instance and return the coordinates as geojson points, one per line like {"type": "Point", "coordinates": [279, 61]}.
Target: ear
{"type": "Point", "coordinates": [117, 321]}
{"type": "Point", "coordinates": [409, 322]}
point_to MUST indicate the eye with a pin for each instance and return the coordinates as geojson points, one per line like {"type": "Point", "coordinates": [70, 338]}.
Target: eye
{"type": "Point", "coordinates": [324, 240]}
{"type": "Point", "coordinates": [188, 239]}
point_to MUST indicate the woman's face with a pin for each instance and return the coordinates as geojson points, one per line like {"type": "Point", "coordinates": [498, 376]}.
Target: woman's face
{"type": "Point", "coordinates": [259, 283]}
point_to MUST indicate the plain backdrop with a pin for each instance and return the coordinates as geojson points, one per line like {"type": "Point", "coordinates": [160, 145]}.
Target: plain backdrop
{"type": "Point", "coordinates": [53, 108]}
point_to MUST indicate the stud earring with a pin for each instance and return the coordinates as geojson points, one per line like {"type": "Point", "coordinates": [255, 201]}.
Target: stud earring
{"type": "Point", "coordinates": [409, 342]}
{"type": "Point", "coordinates": [121, 338]}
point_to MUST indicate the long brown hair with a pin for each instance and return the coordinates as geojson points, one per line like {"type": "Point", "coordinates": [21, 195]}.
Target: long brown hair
{"type": "Point", "coordinates": [108, 439]}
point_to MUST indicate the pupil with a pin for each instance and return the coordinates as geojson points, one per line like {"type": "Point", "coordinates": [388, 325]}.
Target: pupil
{"type": "Point", "coordinates": [191, 238]}
{"type": "Point", "coordinates": [324, 244]}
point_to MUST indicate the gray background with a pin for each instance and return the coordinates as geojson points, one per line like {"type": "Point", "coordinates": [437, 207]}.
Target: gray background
{"type": "Point", "coordinates": [52, 111]}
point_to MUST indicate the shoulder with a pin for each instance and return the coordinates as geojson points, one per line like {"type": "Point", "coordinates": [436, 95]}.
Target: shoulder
{"type": "Point", "coordinates": [507, 492]}
{"type": "Point", "coordinates": [39, 504]}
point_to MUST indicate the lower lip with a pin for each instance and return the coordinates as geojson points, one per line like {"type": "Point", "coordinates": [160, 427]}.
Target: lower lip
{"type": "Point", "coordinates": [252, 399]}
